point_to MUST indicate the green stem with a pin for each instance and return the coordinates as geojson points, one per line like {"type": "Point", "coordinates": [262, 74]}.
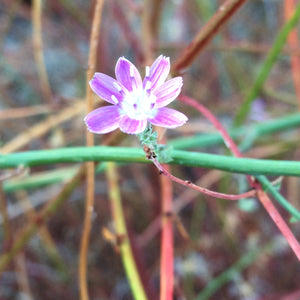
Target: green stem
{"type": "Point", "coordinates": [268, 187]}
{"type": "Point", "coordinates": [211, 139]}
{"type": "Point", "coordinates": [266, 67]}
{"type": "Point", "coordinates": [247, 259]}
{"type": "Point", "coordinates": [136, 155]}
{"type": "Point", "coordinates": [121, 231]}
{"type": "Point", "coordinates": [40, 179]}
{"type": "Point", "coordinates": [45, 178]}
{"type": "Point", "coordinates": [203, 140]}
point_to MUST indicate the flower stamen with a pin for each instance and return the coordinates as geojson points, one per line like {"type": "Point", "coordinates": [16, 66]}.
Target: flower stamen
{"type": "Point", "coordinates": [147, 72]}
{"type": "Point", "coordinates": [135, 101]}
{"type": "Point", "coordinates": [117, 86]}
{"type": "Point", "coordinates": [131, 71]}
{"type": "Point", "coordinates": [148, 85]}
{"type": "Point", "coordinates": [114, 99]}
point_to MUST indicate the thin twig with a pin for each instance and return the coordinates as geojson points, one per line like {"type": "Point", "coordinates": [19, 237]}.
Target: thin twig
{"type": "Point", "coordinates": [266, 66]}
{"type": "Point", "coordinates": [123, 241]}
{"type": "Point", "coordinates": [90, 180]}
{"type": "Point", "coordinates": [24, 112]}
{"type": "Point", "coordinates": [41, 128]}
{"type": "Point", "coordinates": [155, 18]}
{"type": "Point", "coordinates": [188, 183]}
{"type": "Point", "coordinates": [22, 276]}
{"type": "Point", "coordinates": [7, 230]}
{"type": "Point", "coordinates": [14, 173]}
{"type": "Point", "coordinates": [204, 36]}
{"type": "Point", "coordinates": [179, 203]}
{"type": "Point", "coordinates": [278, 220]}
{"type": "Point", "coordinates": [292, 40]}
{"type": "Point", "coordinates": [244, 46]}
{"type": "Point", "coordinates": [38, 49]}
{"type": "Point", "coordinates": [147, 32]}
{"type": "Point", "coordinates": [262, 196]}
{"type": "Point", "coordinates": [129, 34]}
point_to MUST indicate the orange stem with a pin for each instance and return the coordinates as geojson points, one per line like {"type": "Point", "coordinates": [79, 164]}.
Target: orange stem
{"type": "Point", "coordinates": [167, 251]}
{"type": "Point", "coordinates": [289, 8]}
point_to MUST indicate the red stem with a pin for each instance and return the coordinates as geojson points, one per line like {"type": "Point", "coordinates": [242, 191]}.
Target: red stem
{"type": "Point", "coordinates": [262, 196]}
{"type": "Point", "coordinates": [167, 252]}
{"type": "Point", "coordinates": [226, 137]}
{"type": "Point", "coordinates": [289, 8]}
{"type": "Point", "coordinates": [209, 116]}
{"type": "Point", "coordinates": [200, 189]}
{"type": "Point", "coordinates": [131, 38]}
{"type": "Point", "coordinates": [274, 214]}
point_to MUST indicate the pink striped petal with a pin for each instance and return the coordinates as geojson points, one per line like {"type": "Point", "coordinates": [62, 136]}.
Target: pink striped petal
{"type": "Point", "coordinates": [132, 126]}
{"type": "Point", "coordinates": [168, 92]}
{"type": "Point", "coordinates": [107, 88]}
{"type": "Point", "coordinates": [103, 120]}
{"type": "Point", "coordinates": [127, 74]}
{"type": "Point", "coordinates": [169, 118]}
{"type": "Point", "coordinates": [158, 73]}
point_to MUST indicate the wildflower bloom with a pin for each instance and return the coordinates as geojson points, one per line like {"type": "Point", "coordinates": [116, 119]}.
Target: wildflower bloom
{"type": "Point", "coordinates": [135, 102]}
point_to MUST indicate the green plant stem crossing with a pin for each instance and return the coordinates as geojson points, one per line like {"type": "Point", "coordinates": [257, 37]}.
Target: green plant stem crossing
{"type": "Point", "coordinates": [136, 155]}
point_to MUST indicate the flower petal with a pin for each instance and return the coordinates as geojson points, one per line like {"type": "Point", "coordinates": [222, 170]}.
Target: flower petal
{"type": "Point", "coordinates": [168, 92]}
{"type": "Point", "coordinates": [127, 74]}
{"type": "Point", "coordinates": [103, 120]}
{"type": "Point", "coordinates": [107, 88]}
{"type": "Point", "coordinates": [132, 126]}
{"type": "Point", "coordinates": [169, 118]}
{"type": "Point", "coordinates": [158, 72]}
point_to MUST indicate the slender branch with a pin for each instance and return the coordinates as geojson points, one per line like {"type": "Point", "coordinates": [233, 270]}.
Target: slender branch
{"type": "Point", "coordinates": [38, 49]}
{"type": "Point", "coordinates": [177, 157]}
{"type": "Point", "coordinates": [262, 196]}
{"type": "Point", "coordinates": [261, 129]}
{"type": "Point", "coordinates": [42, 128]}
{"type": "Point", "coordinates": [122, 235]}
{"type": "Point", "coordinates": [122, 20]}
{"type": "Point", "coordinates": [289, 8]}
{"type": "Point", "coordinates": [22, 276]}
{"type": "Point", "coordinates": [204, 36]}
{"type": "Point", "coordinates": [208, 115]}
{"type": "Point", "coordinates": [155, 17]}
{"type": "Point", "coordinates": [203, 140]}
{"type": "Point", "coordinates": [167, 243]}
{"type": "Point", "coordinates": [7, 229]}
{"type": "Point", "coordinates": [276, 217]}
{"type": "Point", "coordinates": [266, 67]}
{"type": "Point", "coordinates": [188, 183]}
{"type": "Point", "coordinates": [245, 46]}
{"type": "Point", "coordinates": [24, 112]}
{"type": "Point", "coordinates": [147, 32]}
{"type": "Point", "coordinates": [181, 201]}
{"type": "Point", "coordinates": [90, 179]}
{"type": "Point", "coordinates": [268, 187]}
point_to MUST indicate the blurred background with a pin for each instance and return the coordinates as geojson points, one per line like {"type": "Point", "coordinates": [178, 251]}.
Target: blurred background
{"type": "Point", "coordinates": [38, 112]}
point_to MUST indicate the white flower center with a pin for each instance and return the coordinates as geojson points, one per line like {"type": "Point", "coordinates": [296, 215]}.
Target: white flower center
{"type": "Point", "coordinates": [139, 104]}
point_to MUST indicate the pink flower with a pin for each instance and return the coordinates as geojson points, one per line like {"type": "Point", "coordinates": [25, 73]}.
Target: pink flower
{"type": "Point", "coordinates": [135, 102]}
